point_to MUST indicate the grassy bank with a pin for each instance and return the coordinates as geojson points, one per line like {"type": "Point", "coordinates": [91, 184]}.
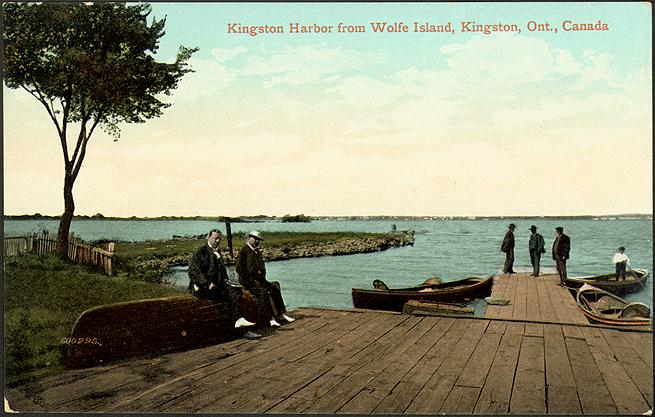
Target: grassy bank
{"type": "Point", "coordinates": [43, 298]}
{"type": "Point", "coordinates": [143, 259]}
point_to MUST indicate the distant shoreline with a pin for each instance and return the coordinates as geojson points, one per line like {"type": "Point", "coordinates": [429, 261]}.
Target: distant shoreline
{"type": "Point", "coordinates": [260, 219]}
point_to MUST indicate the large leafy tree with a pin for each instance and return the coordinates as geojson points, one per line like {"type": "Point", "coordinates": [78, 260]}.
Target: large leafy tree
{"type": "Point", "coordinates": [89, 65]}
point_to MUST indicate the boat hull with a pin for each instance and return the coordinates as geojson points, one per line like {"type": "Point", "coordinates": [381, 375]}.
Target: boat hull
{"type": "Point", "coordinates": [395, 299]}
{"type": "Point", "coordinates": [635, 281]}
{"type": "Point", "coordinates": [588, 300]}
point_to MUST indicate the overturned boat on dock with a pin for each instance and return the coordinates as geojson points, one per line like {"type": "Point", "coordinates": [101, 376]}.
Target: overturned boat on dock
{"type": "Point", "coordinates": [382, 297]}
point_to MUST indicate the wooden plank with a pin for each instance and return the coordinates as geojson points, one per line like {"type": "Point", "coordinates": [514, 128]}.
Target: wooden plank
{"type": "Point", "coordinates": [496, 392]}
{"type": "Point", "coordinates": [262, 351]}
{"type": "Point", "coordinates": [529, 391]}
{"type": "Point", "coordinates": [203, 389]}
{"type": "Point", "coordinates": [435, 391]}
{"type": "Point", "coordinates": [520, 298]}
{"type": "Point", "coordinates": [351, 342]}
{"type": "Point", "coordinates": [573, 332]}
{"type": "Point", "coordinates": [372, 394]}
{"type": "Point", "coordinates": [386, 348]}
{"type": "Point", "coordinates": [407, 388]}
{"type": "Point", "coordinates": [642, 344]}
{"type": "Point", "coordinates": [561, 314]}
{"type": "Point", "coordinates": [475, 372]}
{"type": "Point", "coordinates": [625, 352]}
{"type": "Point", "coordinates": [341, 393]}
{"type": "Point", "coordinates": [509, 293]}
{"type": "Point", "coordinates": [594, 396]}
{"type": "Point", "coordinates": [627, 397]}
{"type": "Point", "coordinates": [498, 290]}
{"type": "Point", "coordinates": [561, 392]}
{"type": "Point", "coordinates": [534, 329]}
{"type": "Point", "coordinates": [533, 302]}
{"type": "Point", "coordinates": [460, 400]}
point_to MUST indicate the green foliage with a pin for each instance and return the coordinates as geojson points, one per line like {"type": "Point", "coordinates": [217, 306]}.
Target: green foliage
{"type": "Point", "coordinates": [300, 218]}
{"type": "Point", "coordinates": [43, 298]}
{"type": "Point", "coordinates": [96, 60]}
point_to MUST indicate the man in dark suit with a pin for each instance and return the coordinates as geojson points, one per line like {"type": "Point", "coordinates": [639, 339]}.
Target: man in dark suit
{"type": "Point", "coordinates": [561, 249]}
{"type": "Point", "coordinates": [252, 276]}
{"type": "Point", "coordinates": [508, 247]}
{"type": "Point", "coordinates": [208, 279]}
{"type": "Point", "coordinates": [536, 247]}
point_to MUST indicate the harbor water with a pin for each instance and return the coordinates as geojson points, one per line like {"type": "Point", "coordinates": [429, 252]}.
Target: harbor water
{"type": "Point", "coordinates": [446, 248]}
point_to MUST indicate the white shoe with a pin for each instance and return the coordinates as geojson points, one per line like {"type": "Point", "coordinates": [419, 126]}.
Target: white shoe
{"type": "Point", "coordinates": [242, 322]}
{"type": "Point", "coordinates": [252, 335]}
{"type": "Point", "coordinates": [288, 319]}
{"type": "Point", "coordinates": [275, 323]}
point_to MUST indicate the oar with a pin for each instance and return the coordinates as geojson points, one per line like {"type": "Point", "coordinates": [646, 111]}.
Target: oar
{"type": "Point", "coordinates": [636, 276]}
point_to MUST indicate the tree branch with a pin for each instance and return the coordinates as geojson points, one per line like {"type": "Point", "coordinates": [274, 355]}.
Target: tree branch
{"type": "Point", "coordinates": [85, 141]}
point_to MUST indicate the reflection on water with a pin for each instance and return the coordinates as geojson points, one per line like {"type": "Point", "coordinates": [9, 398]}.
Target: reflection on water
{"type": "Point", "coordinates": [449, 249]}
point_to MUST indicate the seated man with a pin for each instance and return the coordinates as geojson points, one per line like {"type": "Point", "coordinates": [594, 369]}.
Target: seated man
{"type": "Point", "coordinates": [208, 279]}
{"type": "Point", "coordinates": [252, 276]}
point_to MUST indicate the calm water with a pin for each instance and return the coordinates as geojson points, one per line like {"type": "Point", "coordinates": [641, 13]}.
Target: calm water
{"type": "Point", "coordinates": [449, 249]}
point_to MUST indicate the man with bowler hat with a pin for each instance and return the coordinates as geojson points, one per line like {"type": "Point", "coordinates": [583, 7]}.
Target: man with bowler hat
{"type": "Point", "coordinates": [536, 247]}
{"type": "Point", "coordinates": [561, 249]}
{"type": "Point", "coordinates": [508, 247]}
{"type": "Point", "coordinates": [252, 276]}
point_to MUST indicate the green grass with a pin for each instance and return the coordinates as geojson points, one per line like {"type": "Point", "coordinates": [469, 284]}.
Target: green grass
{"type": "Point", "coordinates": [128, 252]}
{"type": "Point", "coordinates": [44, 297]}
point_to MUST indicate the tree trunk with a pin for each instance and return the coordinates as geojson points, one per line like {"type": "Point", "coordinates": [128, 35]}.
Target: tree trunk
{"type": "Point", "coordinates": [66, 218]}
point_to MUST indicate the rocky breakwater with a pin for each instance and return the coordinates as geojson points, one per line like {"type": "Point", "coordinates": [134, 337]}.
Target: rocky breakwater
{"type": "Point", "coordinates": [346, 246]}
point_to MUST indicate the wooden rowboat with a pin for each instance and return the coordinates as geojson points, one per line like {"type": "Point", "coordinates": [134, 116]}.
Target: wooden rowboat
{"type": "Point", "coordinates": [151, 327]}
{"type": "Point", "coordinates": [600, 306]}
{"type": "Point", "coordinates": [383, 298]}
{"type": "Point", "coordinates": [635, 280]}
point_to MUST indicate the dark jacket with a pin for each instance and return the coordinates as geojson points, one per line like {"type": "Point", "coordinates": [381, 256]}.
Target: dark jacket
{"type": "Point", "coordinates": [508, 242]}
{"type": "Point", "coordinates": [250, 267]}
{"type": "Point", "coordinates": [561, 247]}
{"type": "Point", "coordinates": [205, 268]}
{"type": "Point", "coordinates": [537, 244]}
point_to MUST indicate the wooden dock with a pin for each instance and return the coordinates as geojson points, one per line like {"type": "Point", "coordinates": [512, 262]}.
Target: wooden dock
{"type": "Point", "coordinates": [537, 355]}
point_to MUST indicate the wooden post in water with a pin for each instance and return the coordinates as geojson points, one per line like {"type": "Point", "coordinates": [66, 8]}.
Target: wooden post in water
{"type": "Point", "coordinates": [228, 231]}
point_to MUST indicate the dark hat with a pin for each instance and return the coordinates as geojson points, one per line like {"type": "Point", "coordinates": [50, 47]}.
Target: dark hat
{"type": "Point", "coordinates": [512, 226]}
{"type": "Point", "coordinates": [559, 228]}
{"type": "Point", "coordinates": [621, 248]}
{"type": "Point", "coordinates": [533, 227]}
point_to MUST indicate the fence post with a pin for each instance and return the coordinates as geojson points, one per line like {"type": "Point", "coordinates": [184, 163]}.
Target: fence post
{"type": "Point", "coordinates": [110, 259]}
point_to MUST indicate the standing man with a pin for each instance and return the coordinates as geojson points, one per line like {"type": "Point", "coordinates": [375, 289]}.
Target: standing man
{"type": "Point", "coordinates": [621, 261]}
{"type": "Point", "coordinates": [208, 279]}
{"type": "Point", "coordinates": [536, 247]}
{"type": "Point", "coordinates": [252, 276]}
{"type": "Point", "coordinates": [561, 249]}
{"type": "Point", "coordinates": [508, 247]}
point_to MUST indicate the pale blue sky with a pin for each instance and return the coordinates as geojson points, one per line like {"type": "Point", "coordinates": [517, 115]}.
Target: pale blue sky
{"type": "Point", "coordinates": [357, 124]}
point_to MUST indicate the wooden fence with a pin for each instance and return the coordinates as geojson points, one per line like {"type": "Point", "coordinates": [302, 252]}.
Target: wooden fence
{"type": "Point", "coordinates": [77, 252]}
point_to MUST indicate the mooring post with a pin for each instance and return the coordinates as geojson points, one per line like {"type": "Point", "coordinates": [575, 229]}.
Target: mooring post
{"type": "Point", "coordinates": [228, 230]}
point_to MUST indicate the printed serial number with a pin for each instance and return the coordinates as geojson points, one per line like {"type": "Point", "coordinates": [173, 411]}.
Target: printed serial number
{"type": "Point", "coordinates": [80, 341]}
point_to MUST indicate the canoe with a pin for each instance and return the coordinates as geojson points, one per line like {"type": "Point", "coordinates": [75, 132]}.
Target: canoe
{"type": "Point", "coordinates": [602, 307]}
{"type": "Point", "coordinates": [635, 280]}
{"type": "Point", "coordinates": [383, 298]}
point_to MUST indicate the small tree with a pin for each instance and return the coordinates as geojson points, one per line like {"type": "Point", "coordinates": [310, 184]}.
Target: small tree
{"type": "Point", "coordinates": [89, 65]}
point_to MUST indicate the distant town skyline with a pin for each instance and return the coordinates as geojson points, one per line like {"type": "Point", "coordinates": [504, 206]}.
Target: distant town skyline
{"type": "Point", "coordinates": [456, 123]}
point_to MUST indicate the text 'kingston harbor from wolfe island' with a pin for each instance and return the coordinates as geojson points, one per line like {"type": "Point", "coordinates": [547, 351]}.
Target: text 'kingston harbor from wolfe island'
{"type": "Point", "coordinates": [416, 27]}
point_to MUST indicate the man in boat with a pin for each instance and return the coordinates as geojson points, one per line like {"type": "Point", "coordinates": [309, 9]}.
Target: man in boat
{"type": "Point", "coordinates": [252, 276]}
{"type": "Point", "coordinates": [508, 247]}
{"type": "Point", "coordinates": [208, 279]}
{"type": "Point", "coordinates": [621, 261]}
{"type": "Point", "coordinates": [536, 247]}
{"type": "Point", "coordinates": [561, 249]}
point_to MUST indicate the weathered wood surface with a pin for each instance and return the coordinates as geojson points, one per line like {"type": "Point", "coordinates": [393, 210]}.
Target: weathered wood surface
{"type": "Point", "coordinates": [332, 361]}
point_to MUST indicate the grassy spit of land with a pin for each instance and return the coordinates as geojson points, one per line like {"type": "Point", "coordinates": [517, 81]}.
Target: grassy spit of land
{"type": "Point", "coordinates": [152, 260]}
{"type": "Point", "coordinates": [44, 295]}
